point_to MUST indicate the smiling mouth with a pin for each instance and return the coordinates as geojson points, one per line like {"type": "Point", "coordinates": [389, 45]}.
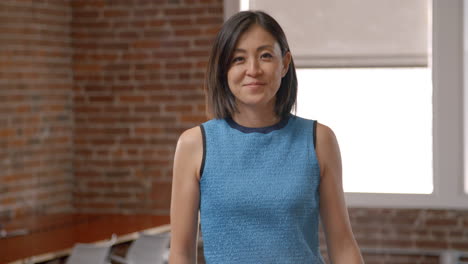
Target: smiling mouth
{"type": "Point", "coordinates": [253, 84]}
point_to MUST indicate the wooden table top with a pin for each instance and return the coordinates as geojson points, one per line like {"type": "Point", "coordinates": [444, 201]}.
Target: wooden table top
{"type": "Point", "coordinates": [53, 236]}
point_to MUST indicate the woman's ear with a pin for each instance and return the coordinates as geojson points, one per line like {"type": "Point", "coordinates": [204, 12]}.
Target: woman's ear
{"type": "Point", "coordinates": [286, 61]}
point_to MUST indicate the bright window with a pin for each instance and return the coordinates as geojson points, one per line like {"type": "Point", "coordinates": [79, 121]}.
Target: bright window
{"type": "Point", "coordinates": [383, 121]}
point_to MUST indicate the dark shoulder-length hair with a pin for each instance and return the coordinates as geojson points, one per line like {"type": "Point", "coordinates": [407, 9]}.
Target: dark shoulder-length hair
{"type": "Point", "coordinates": [219, 99]}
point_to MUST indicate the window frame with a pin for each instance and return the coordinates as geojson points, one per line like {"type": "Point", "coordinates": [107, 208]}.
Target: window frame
{"type": "Point", "coordinates": [450, 125]}
{"type": "Point", "coordinates": [465, 92]}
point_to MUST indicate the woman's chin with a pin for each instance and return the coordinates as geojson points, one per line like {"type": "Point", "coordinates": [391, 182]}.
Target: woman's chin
{"type": "Point", "coordinates": [254, 102]}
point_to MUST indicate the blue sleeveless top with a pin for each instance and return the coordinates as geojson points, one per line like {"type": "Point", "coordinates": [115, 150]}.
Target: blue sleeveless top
{"type": "Point", "coordinates": [259, 199]}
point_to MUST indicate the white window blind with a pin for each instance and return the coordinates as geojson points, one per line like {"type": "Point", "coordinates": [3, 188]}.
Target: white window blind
{"type": "Point", "coordinates": [353, 33]}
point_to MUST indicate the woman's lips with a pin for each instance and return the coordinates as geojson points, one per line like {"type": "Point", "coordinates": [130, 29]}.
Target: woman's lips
{"type": "Point", "coordinates": [254, 84]}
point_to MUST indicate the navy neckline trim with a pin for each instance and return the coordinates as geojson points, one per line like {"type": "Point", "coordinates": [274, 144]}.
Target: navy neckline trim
{"type": "Point", "coordinates": [264, 130]}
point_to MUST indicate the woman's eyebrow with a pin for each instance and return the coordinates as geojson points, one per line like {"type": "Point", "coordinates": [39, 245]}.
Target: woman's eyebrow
{"type": "Point", "coordinates": [265, 47]}
{"type": "Point", "coordinates": [258, 49]}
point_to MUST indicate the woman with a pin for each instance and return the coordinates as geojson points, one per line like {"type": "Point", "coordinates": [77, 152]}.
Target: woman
{"type": "Point", "coordinates": [259, 176]}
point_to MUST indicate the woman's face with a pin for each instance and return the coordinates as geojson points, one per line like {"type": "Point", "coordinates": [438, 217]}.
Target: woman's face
{"type": "Point", "coordinates": [256, 69]}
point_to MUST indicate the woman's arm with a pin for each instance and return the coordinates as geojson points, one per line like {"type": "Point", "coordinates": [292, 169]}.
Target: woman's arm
{"type": "Point", "coordinates": [185, 197]}
{"type": "Point", "coordinates": [342, 247]}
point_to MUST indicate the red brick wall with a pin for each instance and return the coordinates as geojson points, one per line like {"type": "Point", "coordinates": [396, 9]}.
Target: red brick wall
{"type": "Point", "coordinates": [139, 69]}
{"type": "Point", "coordinates": [36, 116]}
{"type": "Point", "coordinates": [409, 228]}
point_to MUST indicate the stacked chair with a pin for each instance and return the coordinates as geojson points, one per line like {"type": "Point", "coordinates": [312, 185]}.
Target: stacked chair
{"type": "Point", "coordinates": [147, 249]}
{"type": "Point", "coordinates": [91, 253]}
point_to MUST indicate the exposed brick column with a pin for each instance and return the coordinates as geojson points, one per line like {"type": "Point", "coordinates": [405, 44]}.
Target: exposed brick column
{"type": "Point", "coordinates": [139, 68]}
{"type": "Point", "coordinates": [36, 118]}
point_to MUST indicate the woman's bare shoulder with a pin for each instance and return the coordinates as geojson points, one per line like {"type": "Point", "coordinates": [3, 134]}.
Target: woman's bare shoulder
{"type": "Point", "coordinates": [189, 152]}
{"type": "Point", "coordinates": [324, 134]}
{"type": "Point", "coordinates": [191, 138]}
{"type": "Point", "coordinates": [328, 151]}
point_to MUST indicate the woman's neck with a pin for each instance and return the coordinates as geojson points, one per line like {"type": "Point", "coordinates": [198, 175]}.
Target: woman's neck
{"type": "Point", "coordinates": [256, 118]}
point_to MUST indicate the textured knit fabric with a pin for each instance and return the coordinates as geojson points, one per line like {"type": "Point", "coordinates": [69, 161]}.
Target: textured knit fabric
{"type": "Point", "coordinates": [259, 193]}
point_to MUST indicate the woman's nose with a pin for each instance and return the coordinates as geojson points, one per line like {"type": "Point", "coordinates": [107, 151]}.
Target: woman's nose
{"type": "Point", "coordinates": [253, 68]}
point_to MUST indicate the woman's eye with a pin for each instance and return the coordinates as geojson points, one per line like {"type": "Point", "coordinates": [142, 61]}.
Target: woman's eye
{"type": "Point", "coordinates": [267, 55]}
{"type": "Point", "coordinates": [237, 59]}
